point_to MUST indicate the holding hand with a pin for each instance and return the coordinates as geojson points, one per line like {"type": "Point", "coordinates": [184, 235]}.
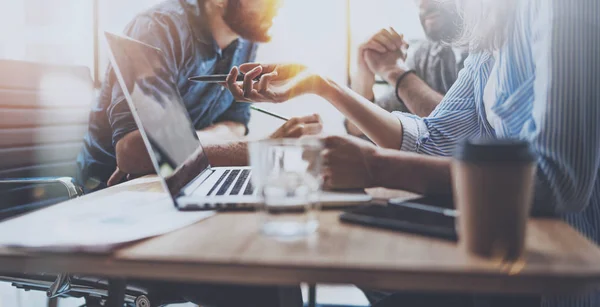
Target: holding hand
{"type": "Point", "coordinates": [299, 126]}
{"type": "Point", "coordinates": [348, 163]}
{"type": "Point", "coordinates": [278, 82]}
{"type": "Point", "coordinates": [383, 51]}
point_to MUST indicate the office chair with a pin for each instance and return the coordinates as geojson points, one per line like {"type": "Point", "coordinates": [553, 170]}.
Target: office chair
{"type": "Point", "coordinates": [44, 111]}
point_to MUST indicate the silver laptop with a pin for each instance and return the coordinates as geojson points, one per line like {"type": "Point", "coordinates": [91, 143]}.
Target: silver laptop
{"type": "Point", "coordinates": [149, 87]}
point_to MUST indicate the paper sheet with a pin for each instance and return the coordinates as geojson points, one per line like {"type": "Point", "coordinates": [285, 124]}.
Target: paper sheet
{"type": "Point", "coordinates": [97, 225]}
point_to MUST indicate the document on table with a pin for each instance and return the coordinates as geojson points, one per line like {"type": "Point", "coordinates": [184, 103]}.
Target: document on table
{"type": "Point", "coordinates": [97, 225]}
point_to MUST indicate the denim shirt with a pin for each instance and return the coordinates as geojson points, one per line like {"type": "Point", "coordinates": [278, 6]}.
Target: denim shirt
{"type": "Point", "coordinates": [180, 29]}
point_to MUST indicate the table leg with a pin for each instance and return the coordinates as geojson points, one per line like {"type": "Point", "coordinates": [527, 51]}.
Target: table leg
{"type": "Point", "coordinates": [312, 295]}
{"type": "Point", "coordinates": [116, 293]}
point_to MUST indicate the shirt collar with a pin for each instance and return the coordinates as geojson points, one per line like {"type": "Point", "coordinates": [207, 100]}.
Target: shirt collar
{"type": "Point", "coordinates": [199, 24]}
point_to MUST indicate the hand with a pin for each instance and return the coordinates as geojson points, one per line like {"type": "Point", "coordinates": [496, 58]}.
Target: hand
{"type": "Point", "coordinates": [299, 126]}
{"type": "Point", "coordinates": [278, 83]}
{"type": "Point", "coordinates": [363, 81]}
{"type": "Point", "coordinates": [116, 177]}
{"type": "Point", "coordinates": [383, 51]}
{"type": "Point", "coordinates": [348, 163]}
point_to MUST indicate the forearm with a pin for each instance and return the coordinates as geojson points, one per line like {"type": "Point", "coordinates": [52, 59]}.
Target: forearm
{"type": "Point", "coordinates": [352, 129]}
{"type": "Point", "coordinates": [412, 172]}
{"type": "Point", "coordinates": [227, 153]}
{"type": "Point", "coordinates": [226, 130]}
{"type": "Point", "coordinates": [132, 155]}
{"type": "Point", "coordinates": [379, 125]}
{"type": "Point", "coordinates": [418, 97]}
{"type": "Point", "coordinates": [363, 85]}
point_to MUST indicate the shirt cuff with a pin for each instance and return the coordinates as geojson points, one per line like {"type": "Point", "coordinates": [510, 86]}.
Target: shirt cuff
{"type": "Point", "coordinates": [413, 129]}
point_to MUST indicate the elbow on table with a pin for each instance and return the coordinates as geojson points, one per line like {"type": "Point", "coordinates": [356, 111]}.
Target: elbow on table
{"type": "Point", "coordinates": [132, 159]}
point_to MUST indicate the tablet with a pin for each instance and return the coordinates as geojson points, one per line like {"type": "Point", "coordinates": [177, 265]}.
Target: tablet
{"type": "Point", "coordinates": [415, 216]}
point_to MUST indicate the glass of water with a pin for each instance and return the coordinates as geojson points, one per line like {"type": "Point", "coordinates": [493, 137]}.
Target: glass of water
{"type": "Point", "coordinates": [287, 175]}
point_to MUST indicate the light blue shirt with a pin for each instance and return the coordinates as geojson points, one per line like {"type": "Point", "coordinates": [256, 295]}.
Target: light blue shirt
{"type": "Point", "coordinates": [547, 92]}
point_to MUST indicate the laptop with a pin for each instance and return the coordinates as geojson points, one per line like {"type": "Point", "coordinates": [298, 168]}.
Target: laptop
{"type": "Point", "coordinates": [146, 78]}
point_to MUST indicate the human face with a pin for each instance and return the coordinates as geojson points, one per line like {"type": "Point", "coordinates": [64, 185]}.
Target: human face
{"type": "Point", "coordinates": [251, 19]}
{"type": "Point", "coordinates": [440, 19]}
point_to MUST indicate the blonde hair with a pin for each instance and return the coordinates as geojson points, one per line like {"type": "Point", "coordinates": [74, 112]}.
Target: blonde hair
{"type": "Point", "coordinates": [486, 23]}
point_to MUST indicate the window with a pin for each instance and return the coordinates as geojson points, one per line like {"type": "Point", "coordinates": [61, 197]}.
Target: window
{"type": "Point", "coordinates": [34, 30]}
{"type": "Point", "coordinates": [113, 16]}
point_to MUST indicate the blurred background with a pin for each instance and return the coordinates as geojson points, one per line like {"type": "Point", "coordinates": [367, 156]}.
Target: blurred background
{"type": "Point", "coordinates": [323, 34]}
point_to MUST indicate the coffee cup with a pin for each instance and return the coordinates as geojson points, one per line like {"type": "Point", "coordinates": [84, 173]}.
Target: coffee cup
{"type": "Point", "coordinates": [493, 185]}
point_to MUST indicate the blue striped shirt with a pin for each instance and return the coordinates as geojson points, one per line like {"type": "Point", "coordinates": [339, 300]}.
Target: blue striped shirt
{"type": "Point", "coordinates": [547, 92]}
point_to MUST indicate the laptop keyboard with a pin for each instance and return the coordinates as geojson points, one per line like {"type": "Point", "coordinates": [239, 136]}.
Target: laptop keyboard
{"type": "Point", "coordinates": [228, 182]}
{"type": "Point", "coordinates": [218, 182]}
{"type": "Point", "coordinates": [229, 178]}
{"type": "Point", "coordinates": [249, 189]}
{"type": "Point", "coordinates": [240, 182]}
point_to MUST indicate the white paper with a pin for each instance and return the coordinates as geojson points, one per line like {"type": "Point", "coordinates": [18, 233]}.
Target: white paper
{"type": "Point", "coordinates": [99, 224]}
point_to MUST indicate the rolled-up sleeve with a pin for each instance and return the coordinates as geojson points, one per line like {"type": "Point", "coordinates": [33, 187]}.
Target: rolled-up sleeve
{"type": "Point", "coordinates": [565, 129]}
{"type": "Point", "coordinates": [454, 119]}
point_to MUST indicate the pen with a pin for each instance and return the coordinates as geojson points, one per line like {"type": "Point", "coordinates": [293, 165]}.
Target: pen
{"type": "Point", "coordinates": [261, 110]}
{"type": "Point", "coordinates": [218, 78]}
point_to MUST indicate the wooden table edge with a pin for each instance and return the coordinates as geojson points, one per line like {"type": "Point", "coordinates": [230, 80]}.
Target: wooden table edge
{"type": "Point", "coordinates": [219, 273]}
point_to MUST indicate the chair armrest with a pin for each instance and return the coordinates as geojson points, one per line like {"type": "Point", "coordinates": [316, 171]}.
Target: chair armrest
{"type": "Point", "coordinates": [73, 189]}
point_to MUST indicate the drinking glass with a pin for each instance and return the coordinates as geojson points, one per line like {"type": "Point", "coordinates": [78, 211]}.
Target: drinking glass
{"type": "Point", "coordinates": [287, 176]}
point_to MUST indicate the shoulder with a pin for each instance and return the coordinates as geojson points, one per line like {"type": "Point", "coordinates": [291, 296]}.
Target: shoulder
{"type": "Point", "coordinates": [166, 18]}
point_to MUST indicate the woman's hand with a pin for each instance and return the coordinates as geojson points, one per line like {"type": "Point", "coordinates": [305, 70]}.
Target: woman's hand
{"type": "Point", "coordinates": [278, 82]}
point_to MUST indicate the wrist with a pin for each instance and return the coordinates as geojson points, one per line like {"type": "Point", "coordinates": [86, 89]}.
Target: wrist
{"type": "Point", "coordinates": [324, 87]}
{"type": "Point", "coordinates": [377, 167]}
{"type": "Point", "coordinates": [363, 83]}
{"type": "Point", "coordinates": [392, 74]}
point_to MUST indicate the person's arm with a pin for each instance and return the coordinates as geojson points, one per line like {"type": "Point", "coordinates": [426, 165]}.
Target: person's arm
{"type": "Point", "coordinates": [565, 126]}
{"type": "Point", "coordinates": [417, 95]}
{"type": "Point", "coordinates": [349, 162]}
{"type": "Point", "coordinates": [130, 151]}
{"type": "Point", "coordinates": [221, 152]}
{"type": "Point", "coordinates": [226, 130]}
{"type": "Point", "coordinates": [379, 125]}
{"type": "Point", "coordinates": [454, 119]}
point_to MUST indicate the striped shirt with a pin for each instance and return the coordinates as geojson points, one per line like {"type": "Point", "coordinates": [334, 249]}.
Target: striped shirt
{"type": "Point", "coordinates": [547, 90]}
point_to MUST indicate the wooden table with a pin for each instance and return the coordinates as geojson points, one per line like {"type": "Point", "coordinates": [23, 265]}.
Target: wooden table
{"type": "Point", "coordinates": [228, 248]}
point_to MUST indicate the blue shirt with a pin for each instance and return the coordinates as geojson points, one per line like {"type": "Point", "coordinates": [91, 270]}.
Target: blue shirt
{"type": "Point", "coordinates": [180, 30]}
{"type": "Point", "coordinates": [547, 92]}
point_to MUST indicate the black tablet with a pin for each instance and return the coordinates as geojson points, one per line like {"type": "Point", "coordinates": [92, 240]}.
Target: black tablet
{"type": "Point", "coordinates": [415, 216]}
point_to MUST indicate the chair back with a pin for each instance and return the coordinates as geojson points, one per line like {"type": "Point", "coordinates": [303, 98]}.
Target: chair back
{"type": "Point", "coordinates": [44, 111]}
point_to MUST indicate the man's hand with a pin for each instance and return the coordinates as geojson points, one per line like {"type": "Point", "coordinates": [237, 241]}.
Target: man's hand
{"type": "Point", "coordinates": [383, 51]}
{"type": "Point", "coordinates": [278, 82]}
{"type": "Point", "coordinates": [348, 162]}
{"type": "Point", "coordinates": [364, 79]}
{"type": "Point", "coordinates": [299, 126]}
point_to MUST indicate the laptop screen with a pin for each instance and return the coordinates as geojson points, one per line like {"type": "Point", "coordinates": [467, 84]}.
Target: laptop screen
{"type": "Point", "coordinates": [151, 92]}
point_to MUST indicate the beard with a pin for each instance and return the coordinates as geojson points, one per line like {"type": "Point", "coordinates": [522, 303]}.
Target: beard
{"type": "Point", "coordinates": [253, 25]}
{"type": "Point", "coordinates": [446, 29]}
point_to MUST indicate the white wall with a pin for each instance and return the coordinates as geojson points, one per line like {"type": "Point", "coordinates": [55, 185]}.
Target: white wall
{"type": "Point", "coordinates": [313, 33]}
